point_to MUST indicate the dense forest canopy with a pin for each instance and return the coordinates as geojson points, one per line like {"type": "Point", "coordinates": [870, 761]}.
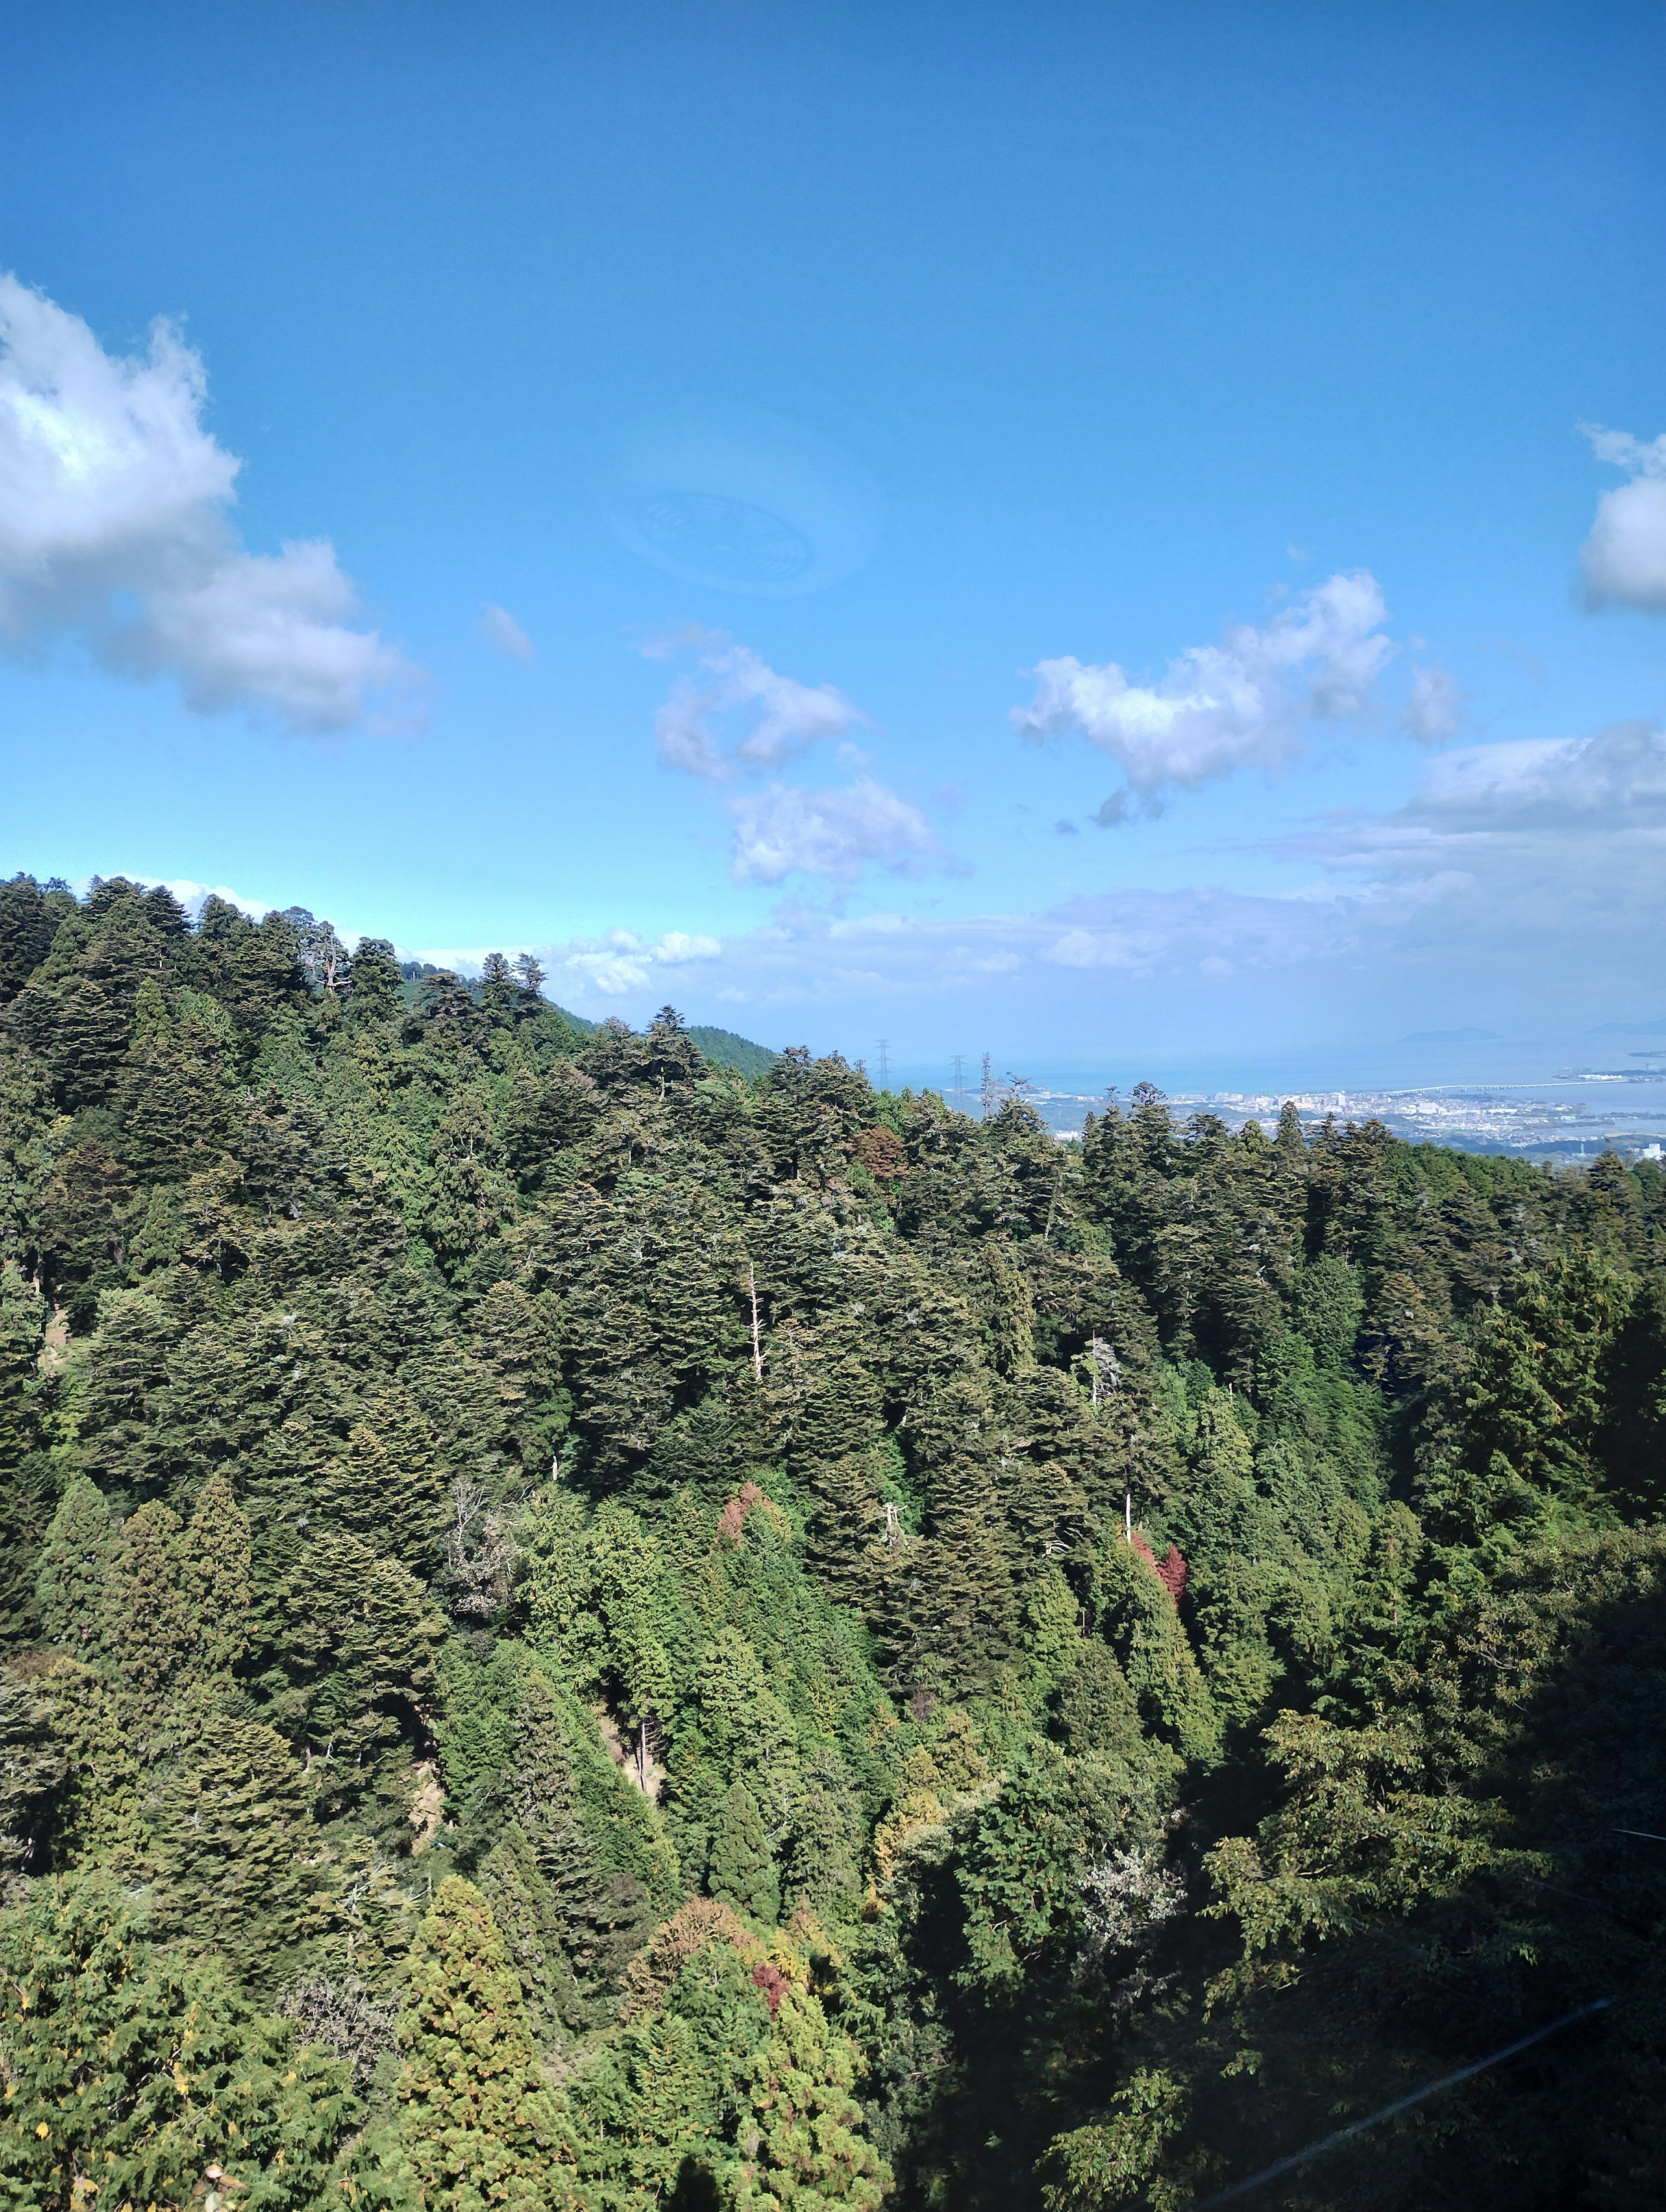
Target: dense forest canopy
{"type": "Point", "coordinates": [585, 1628]}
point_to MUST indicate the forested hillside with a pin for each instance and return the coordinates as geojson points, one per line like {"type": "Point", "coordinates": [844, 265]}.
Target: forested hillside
{"type": "Point", "coordinates": [585, 1629]}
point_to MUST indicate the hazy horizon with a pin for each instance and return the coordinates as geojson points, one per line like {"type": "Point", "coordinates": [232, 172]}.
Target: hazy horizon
{"type": "Point", "coordinates": [988, 573]}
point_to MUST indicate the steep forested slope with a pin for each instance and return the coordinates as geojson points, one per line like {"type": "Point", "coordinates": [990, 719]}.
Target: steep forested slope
{"type": "Point", "coordinates": [584, 1631]}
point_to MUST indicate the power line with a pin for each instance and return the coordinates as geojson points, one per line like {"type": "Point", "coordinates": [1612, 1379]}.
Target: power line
{"type": "Point", "coordinates": [1400, 2104]}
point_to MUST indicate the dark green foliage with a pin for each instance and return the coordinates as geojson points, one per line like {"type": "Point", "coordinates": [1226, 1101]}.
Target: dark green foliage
{"type": "Point", "coordinates": [233, 1840]}
{"type": "Point", "coordinates": [724, 1049]}
{"type": "Point", "coordinates": [870, 1635]}
{"type": "Point", "coordinates": [741, 1870]}
{"type": "Point", "coordinates": [27, 925]}
{"type": "Point", "coordinates": [129, 2071]}
{"type": "Point", "coordinates": [476, 2126]}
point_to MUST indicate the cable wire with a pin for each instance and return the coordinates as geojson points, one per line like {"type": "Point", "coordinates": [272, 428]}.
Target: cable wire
{"type": "Point", "coordinates": [1400, 2104]}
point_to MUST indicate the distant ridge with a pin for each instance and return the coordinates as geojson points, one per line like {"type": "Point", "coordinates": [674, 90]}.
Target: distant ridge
{"type": "Point", "coordinates": [1453, 1036]}
{"type": "Point", "coordinates": [723, 1047]}
{"type": "Point", "coordinates": [729, 1050]}
{"type": "Point", "coordinates": [1627, 1028]}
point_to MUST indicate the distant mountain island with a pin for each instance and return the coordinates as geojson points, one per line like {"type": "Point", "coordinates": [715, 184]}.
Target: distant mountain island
{"type": "Point", "coordinates": [1627, 1028]}
{"type": "Point", "coordinates": [1453, 1036]}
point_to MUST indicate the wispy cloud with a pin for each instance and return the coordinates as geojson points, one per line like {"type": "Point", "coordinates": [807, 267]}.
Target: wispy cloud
{"type": "Point", "coordinates": [1220, 708]}
{"type": "Point", "coordinates": [1434, 706]}
{"type": "Point", "coordinates": [1624, 558]}
{"type": "Point", "coordinates": [505, 633]}
{"type": "Point", "coordinates": [739, 717]}
{"type": "Point", "coordinates": [613, 966]}
{"type": "Point", "coordinates": [837, 834]}
{"type": "Point", "coordinates": [113, 529]}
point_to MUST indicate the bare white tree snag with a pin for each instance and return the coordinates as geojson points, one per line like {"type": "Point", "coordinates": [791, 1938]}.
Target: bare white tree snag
{"type": "Point", "coordinates": [1106, 1376]}
{"type": "Point", "coordinates": [757, 1345]}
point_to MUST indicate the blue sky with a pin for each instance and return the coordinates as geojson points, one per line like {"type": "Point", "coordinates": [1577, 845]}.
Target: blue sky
{"type": "Point", "coordinates": [796, 383]}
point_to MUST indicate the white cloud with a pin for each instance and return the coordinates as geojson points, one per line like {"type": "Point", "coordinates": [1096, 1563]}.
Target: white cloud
{"type": "Point", "coordinates": [1528, 880]}
{"type": "Point", "coordinates": [1433, 707]}
{"type": "Point", "coordinates": [785, 832]}
{"type": "Point", "coordinates": [505, 632]}
{"type": "Point", "coordinates": [677, 947]}
{"type": "Point", "coordinates": [1624, 558]}
{"type": "Point", "coordinates": [192, 896]}
{"type": "Point", "coordinates": [769, 719]}
{"type": "Point", "coordinates": [1551, 850]}
{"type": "Point", "coordinates": [113, 528]}
{"type": "Point", "coordinates": [1220, 708]}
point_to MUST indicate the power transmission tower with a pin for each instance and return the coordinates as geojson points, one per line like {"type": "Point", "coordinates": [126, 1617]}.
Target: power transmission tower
{"type": "Point", "coordinates": [958, 1063]}
{"type": "Point", "coordinates": [885, 1062]}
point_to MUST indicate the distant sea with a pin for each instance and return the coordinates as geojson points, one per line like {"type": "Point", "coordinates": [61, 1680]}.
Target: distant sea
{"type": "Point", "coordinates": [1523, 1069]}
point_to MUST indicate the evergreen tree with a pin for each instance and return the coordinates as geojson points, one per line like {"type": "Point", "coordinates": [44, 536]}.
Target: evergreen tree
{"type": "Point", "coordinates": [236, 1850]}
{"type": "Point", "coordinates": [803, 2146]}
{"type": "Point", "coordinates": [131, 2072]}
{"type": "Point", "coordinates": [97, 1814]}
{"type": "Point", "coordinates": [742, 1869]}
{"type": "Point", "coordinates": [644, 2130]}
{"type": "Point", "coordinates": [215, 1576]}
{"type": "Point", "coordinates": [377, 992]}
{"type": "Point", "coordinates": [27, 925]}
{"type": "Point", "coordinates": [147, 1624]}
{"type": "Point", "coordinates": [1136, 1616]}
{"type": "Point", "coordinates": [532, 1917]}
{"type": "Point", "coordinates": [476, 2124]}
{"type": "Point", "coordinates": [1098, 1712]}
{"type": "Point", "coordinates": [75, 1563]}
{"type": "Point", "coordinates": [32, 1767]}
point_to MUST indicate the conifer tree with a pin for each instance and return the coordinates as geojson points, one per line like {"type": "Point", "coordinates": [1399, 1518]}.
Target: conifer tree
{"type": "Point", "coordinates": [802, 2145]}
{"type": "Point", "coordinates": [134, 2072]}
{"type": "Point", "coordinates": [32, 1766]}
{"type": "Point", "coordinates": [476, 2126]}
{"type": "Point", "coordinates": [97, 1815]}
{"type": "Point", "coordinates": [1097, 1711]}
{"type": "Point", "coordinates": [26, 928]}
{"type": "Point", "coordinates": [235, 1848]}
{"type": "Point", "coordinates": [148, 1628]}
{"type": "Point", "coordinates": [75, 1563]}
{"type": "Point", "coordinates": [644, 2133]}
{"type": "Point", "coordinates": [215, 1576]}
{"type": "Point", "coordinates": [377, 992]}
{"type": "Point", "coordinates": [530, 1917]}
{"type": "Point", "coordinates": [1137, 1618]}
{"type": "Point", "coordinates": [741, 1871]}
{"type": "Point", "coordinates": [820, 1868]}
{"type": "Point", "coordinates": [23, 1331]}
{"type": "Point", "coordinates": [389, 1485]}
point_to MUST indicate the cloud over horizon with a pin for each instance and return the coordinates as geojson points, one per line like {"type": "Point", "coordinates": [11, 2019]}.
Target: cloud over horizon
{"type": "Point", "coordinates": [113, 531]}
{"type": "Point", "coordinates": [1218, 708]}
{"type": "Point", "coordinates": [1525, 869]}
